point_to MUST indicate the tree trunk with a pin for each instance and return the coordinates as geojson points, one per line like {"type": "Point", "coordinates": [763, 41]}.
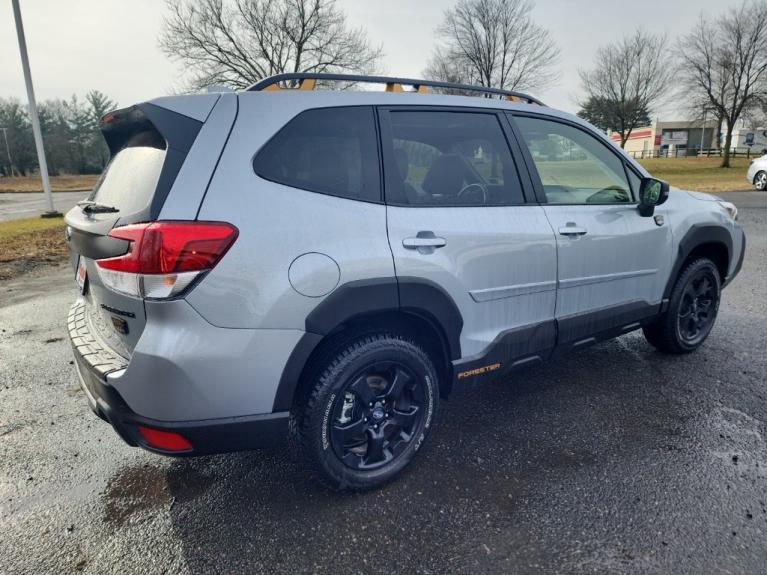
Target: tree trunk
{"type": "Point", "coordinates": [727, 143]}
{"type": "Point", "coordinates": [719, 132]}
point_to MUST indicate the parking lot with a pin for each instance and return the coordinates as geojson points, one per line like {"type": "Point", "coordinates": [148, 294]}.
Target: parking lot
{"type": "Point", "coordinates": [614, 459]}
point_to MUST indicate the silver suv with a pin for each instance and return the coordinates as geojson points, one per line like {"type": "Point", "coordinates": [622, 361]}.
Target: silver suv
{"type": "Point", "coordinates": [331, 263]}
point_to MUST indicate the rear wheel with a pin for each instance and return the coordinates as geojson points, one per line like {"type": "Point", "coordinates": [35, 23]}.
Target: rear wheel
{"type": "Point", "coordinates": [369, 411]}
{"type": "Point", "coordinates": [760, 181]}
{"type": "Point", "coordinates": [692, 310]}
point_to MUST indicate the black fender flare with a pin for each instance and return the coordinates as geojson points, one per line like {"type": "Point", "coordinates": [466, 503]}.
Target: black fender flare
{"type": "Point", "coordinates": [698, 235]}
{"type": "Point", "coordinates": [366, 297]}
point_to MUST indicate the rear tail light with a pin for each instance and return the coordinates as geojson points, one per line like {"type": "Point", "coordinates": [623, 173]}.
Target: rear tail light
{"type": "Point", "coordinates": [164, 258]}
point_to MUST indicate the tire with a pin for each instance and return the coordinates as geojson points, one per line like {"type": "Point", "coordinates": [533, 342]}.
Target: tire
{"type": "Point", "coordinates": [760, 181]}
{"type": "Point", "coordinates": [352, 437]}
{"type": "Point", "coordinates": [691, 312]}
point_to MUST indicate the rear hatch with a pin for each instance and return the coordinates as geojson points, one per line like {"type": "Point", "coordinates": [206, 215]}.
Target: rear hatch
{"type": "Point", "coordinates": [148, 145]}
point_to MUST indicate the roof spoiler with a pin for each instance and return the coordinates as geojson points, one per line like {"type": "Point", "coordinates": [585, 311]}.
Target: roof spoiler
{"type": "Point", "coordinates": [148, 125]}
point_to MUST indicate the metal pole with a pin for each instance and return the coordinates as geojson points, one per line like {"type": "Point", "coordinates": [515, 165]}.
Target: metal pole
{"type": "Point", "coordinates": [8, 149]}
{"type": "Point", "coordinates": [703, 129]}
{"type": "Point", "coordinates": [33, 112]}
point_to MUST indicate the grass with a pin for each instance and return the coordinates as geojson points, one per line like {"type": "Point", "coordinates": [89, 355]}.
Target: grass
{"type": "Point", "coordinates": [58, 183]}
{"type": "Point", "coordinates": [30, 243]}
{"type": "Point", "coordinates": [700, 174]}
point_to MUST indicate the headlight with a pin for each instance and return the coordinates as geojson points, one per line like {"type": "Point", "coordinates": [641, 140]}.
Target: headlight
{"type": "Point", "coordinates": [731, 209]}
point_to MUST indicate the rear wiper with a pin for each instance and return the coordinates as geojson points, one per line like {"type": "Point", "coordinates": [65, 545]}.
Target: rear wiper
{"type": "Point", "coordinates": [91, 207]}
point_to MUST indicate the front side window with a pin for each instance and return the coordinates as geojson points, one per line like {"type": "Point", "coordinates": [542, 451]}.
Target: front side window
{"type": "Point", "coordinates": [450, 159]}
{"type": "Point", "coordinates": [329, 150]}
{"type": "Point", "coordinates": [574, 166]}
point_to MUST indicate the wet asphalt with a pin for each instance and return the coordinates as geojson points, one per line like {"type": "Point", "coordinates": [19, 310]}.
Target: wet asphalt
{"type": "Point", "coordinates": [616, 459]}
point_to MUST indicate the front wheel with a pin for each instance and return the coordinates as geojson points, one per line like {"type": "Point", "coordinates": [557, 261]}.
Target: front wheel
{"type": "Point", "coordinates": [760, 181]}
{"type": "Point", "coordinates": [369, 411]}
{"type": "Point", "coordinates": [692, 310]}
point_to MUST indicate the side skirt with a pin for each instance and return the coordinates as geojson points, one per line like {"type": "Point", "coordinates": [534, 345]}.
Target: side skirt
{"type": "Point", "coordinates": [511, 349]}
{"type": "Point", "coordinates": [582, 330]}
{"type": "Point", "coordinates": [530, 345]}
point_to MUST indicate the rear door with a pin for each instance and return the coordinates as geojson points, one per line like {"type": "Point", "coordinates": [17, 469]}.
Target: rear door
{"type": "Point", "coordinates": [612, 261]}
{"type": "Point", "coordinates": [457, 216]}
{"type": "Point", "coordinates": [148, 145]}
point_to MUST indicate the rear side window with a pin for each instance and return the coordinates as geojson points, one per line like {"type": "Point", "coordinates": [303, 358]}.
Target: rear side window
{"type": "Point", "coordinates": [329, 150]}
{"type": "Point", "coordinates": [450, 159]}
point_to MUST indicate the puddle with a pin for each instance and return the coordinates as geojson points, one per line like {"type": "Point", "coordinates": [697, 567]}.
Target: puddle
{"type": "Point", "coordinates": [134, 490]}
{"type": "Point", "coordinates": [137, 489]}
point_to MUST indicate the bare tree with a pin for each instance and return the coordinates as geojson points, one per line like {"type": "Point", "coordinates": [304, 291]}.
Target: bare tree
{"type": "Point", "coordinates": [725, 61]}
{"type": "Point", "coordinates": [493, 43]}
{"type": "Point", "coordinates": [236, 42]}
{"type": "Point", "coordinates": [632, 77]}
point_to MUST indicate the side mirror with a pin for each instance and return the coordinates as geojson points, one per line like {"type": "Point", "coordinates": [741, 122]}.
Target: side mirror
{"type": "Point", "coordinates": [652, 193]}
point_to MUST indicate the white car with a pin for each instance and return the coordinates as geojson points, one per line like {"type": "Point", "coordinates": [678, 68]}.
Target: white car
{"type": "Point", "coordinates": [757, 173]}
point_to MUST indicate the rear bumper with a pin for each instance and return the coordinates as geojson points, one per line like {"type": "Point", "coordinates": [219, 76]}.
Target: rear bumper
{"type": "Point", "coordinates": [94, 364]}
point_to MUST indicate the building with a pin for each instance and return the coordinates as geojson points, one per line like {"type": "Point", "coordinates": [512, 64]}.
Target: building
{"type": "Point", "coordinates": [677, 138]}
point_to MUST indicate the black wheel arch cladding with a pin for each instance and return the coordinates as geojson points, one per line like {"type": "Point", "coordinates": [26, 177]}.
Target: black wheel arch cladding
{"type": "Point", "coordinates": [371, 296]}
{"type": "Point", "coordinates": [699, 235]}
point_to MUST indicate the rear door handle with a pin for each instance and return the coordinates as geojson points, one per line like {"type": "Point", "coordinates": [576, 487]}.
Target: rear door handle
{"type": "Point", "coordinates": [425, 242]}
{"type": "Point", "coordinates": [571, 229]}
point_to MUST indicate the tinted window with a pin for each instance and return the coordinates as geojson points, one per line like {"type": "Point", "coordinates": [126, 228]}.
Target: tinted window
{"type": "Point", "coordinates": [329, 150]}
{"type": "Point", "coordinates": [450, 159]}
{"type": "Point", "coordinates": [574, 166]}
{"type": "Point", "coordinates": [130, 179]}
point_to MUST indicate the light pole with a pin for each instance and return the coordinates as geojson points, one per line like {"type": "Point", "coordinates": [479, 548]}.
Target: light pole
{"type": "Point", "coordinates": [8, 149]}
{"type": "Point", "coordinates": [51, 212]}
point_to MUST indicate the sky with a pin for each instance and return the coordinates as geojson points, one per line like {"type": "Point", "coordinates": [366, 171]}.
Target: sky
{"type": "Point", "coordinates": [111, 45]}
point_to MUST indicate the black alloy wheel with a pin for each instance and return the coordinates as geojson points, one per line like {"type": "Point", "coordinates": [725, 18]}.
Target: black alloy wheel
{"type": "Point", "coordinates": [371, 400]}
{"type": "Point", "coordinates": [698, 307]}
{"type": "Point", "coordinates": [377, 416]}
{"type": "Point", "coordinates": [691, 312]}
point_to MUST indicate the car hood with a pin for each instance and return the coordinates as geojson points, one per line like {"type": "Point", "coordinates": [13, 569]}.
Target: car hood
{"type": "Point", "coordinates": [703, 197]}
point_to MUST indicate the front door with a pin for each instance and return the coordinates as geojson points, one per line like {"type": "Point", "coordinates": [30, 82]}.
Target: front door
{"type": "Point", "coordinates": [457, 216]}
{"type": "Point", "coordinates": [612, 262]}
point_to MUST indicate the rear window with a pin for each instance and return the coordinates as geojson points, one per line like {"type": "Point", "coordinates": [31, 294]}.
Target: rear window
{"type": "Point", "coordinates": [330, 150]}
{"type": "Point", "coordinates": [130, 179]}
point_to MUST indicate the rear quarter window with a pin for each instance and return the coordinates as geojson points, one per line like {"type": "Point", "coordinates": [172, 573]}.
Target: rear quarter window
{"type": "Point", "coordinates": [329, 150]}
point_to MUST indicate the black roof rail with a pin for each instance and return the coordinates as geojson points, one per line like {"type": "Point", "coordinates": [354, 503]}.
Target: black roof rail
{"type": "Point", "coordinates": [307, 81]}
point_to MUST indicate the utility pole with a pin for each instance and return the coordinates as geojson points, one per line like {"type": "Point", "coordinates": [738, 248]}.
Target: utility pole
{"type": "Point", "coordinates": [8, 149]}
{"type": "Point", "coordinates": [51, 212]}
